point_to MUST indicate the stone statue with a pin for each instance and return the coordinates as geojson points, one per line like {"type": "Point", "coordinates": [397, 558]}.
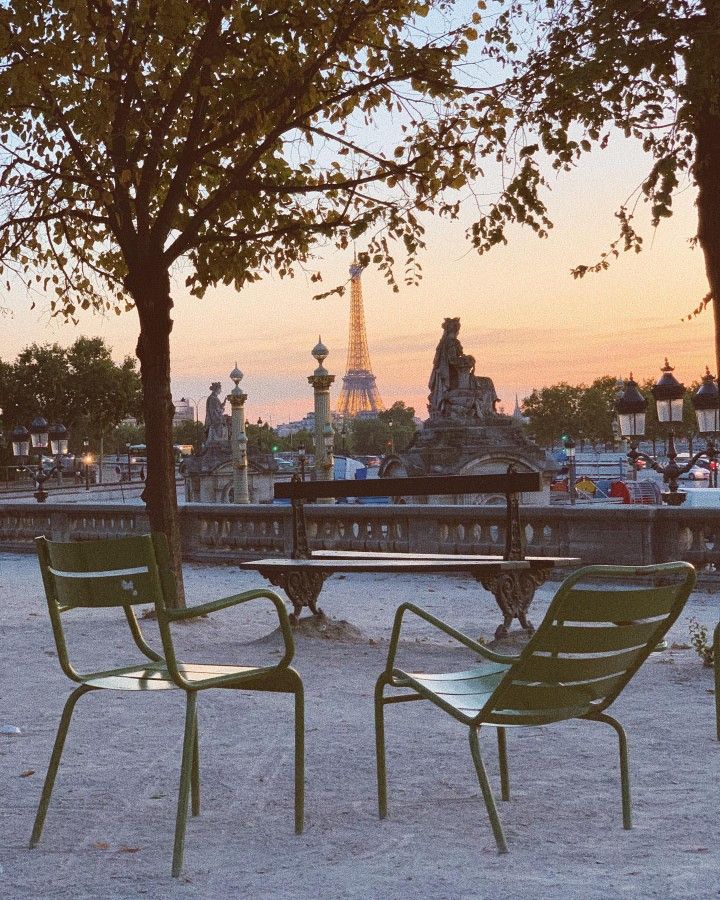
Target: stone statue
{"type": "Point", "coordinates": [215, 428]}
{"type": "Point", "coordinates": [455, 391]}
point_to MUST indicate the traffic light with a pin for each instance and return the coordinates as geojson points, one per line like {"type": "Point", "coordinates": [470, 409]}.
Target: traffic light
{"type": "Point", "coordinates": [274, 448]}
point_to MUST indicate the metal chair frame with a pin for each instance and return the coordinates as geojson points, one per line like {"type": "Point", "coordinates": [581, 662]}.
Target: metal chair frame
{"type": "Point", "coordinates": [136, 570]}
{"type": "Point", "coordinates": [588, 647]}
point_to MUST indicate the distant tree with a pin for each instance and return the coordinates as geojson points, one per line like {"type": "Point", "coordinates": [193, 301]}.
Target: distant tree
{"type": "Point", "coordinates": [227, 138]}
{"type": "Point", "coordinates": [124, 434]}
{"type": "Point", "coordinates": [79, 386]}
{"type": "Point", "coordinates": [261, 437]}
{"type": "Point", "coordinates": [189, 432]}
{"type": "Point", "coordinates": [400, 420]}
{"type": "Point", "coordinates": [552, 412]}
{"type": "Point", "coordinates": [370, 437]}
{"type": "Point", "coordinates": [596, 411]}
{"type": "Point", "coordinates": [390, 431]}
{"type": "Point", "coordinates": [38, 382]}
{"type": "Point", "coordinates": [100, 391]}
{"type": "Point", "coordinates": [302, 438]}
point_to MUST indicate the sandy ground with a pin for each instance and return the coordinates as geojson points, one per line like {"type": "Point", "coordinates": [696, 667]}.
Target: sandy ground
{"type": "Point", "coordinates": [109, 829]}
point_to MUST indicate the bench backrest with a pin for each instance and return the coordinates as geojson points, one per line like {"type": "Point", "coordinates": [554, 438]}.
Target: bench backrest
{"type": "Point", "coordinates": [510, 483]}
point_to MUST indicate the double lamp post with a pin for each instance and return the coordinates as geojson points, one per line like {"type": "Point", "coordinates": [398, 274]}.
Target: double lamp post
{"type": "Point", "coordinates": [669, 393]}
{"type": "Point", "coordinates": [39, 437]}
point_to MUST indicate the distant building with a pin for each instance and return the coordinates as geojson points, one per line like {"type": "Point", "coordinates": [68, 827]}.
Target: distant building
{"type": "Point", "coordinates": [184, 412]}
{"type": "Point", "coordinates": [307, 423]}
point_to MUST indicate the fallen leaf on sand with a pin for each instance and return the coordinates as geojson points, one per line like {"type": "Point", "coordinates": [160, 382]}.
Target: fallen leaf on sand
{"type": "Point", "coordinates": [27, 773]}
{"type": "Point", "coordinates": [101, 845]}
{"type": "Point", "coordinates": [125, 849]}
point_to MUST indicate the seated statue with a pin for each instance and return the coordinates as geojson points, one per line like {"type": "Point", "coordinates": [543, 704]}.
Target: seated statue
{"type": "Point", "coordinates": [455, 391]}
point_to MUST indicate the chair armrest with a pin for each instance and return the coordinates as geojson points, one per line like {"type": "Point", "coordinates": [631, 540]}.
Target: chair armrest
{"type": "Point", "coordinates": [180, 615]}
{"type": "Point", "coordinates": [441, 626]}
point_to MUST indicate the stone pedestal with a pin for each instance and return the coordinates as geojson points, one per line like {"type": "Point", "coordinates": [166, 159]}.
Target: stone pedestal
{"type": "Point", "coordinates": [465, 447]}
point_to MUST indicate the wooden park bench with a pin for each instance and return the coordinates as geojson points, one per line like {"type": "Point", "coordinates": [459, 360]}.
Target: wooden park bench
{"type": "Point", "coordinates": [512, 577]}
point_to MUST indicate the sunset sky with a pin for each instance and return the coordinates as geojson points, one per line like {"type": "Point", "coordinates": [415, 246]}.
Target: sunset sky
{"type": "Point", "coordinates": [524, 318]}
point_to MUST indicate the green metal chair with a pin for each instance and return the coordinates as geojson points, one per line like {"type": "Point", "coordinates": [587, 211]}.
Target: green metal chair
{"type": "Point", "coordinates": [602, 624]}
{"type": "Point", "coordinates": [134, 570]}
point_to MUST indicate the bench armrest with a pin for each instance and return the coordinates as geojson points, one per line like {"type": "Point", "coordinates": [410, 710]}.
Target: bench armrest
{"type": "Point", "coordinates": [441, 626]}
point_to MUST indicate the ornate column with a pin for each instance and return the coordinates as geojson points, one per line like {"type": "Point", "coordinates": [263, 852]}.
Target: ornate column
{"type": "Point", "coordinates": [321, 380]}
{"type": "Point", "coordinates": [238, 439]}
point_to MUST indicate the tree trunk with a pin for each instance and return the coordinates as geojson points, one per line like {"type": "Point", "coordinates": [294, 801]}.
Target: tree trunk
{"type": "Point", "coordinates": [150, 289]}
{"type": "Point", "coordinates": [703, 83]}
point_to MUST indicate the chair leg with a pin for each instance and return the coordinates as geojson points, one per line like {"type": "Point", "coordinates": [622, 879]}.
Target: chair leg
{"type": "Point", "coordinates": [185, 779]}
{"type": "Point", "coordinates": [716, 663]}
{"type": "Point", "coordinates": [299, 757]}
{"type": "Point", "coordinates": [624, 768]}
{"type": "Point", "coordinates": [55, 760]}
{"type": "Point", "coordinates": [380, 746]}
{"type": "Point", "coordinates": [195, 777]}
{"type": "Point", "coordinates": [487, 792]}
{"type": "Point", "coordinates": [504, 771]}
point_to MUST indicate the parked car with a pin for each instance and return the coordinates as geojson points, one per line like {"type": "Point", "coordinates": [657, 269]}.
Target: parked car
{"type": "Point", "coordinates": [699, 472]}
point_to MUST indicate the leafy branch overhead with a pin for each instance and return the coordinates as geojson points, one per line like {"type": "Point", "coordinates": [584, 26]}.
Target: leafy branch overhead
{"type": "Point", "coordinates": [589, 71]}
{"type": "Point", "coordinates": [228, 135]}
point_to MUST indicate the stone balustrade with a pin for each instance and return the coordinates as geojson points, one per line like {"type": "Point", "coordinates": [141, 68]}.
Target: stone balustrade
{"type": "Point", "coordinates": [622, 535]}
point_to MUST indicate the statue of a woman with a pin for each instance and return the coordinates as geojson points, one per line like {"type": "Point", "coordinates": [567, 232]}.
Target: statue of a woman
{"type": "Point", "coordinates": [451, 368]}
{"type": "Point", "coordinates": [215, 429]}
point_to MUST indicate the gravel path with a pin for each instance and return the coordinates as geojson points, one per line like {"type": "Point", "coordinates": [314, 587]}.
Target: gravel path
{"type": "Point", "coordinates": [109, 829]}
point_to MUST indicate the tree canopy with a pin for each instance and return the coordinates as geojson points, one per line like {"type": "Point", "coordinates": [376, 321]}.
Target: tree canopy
{"type": "Point", "coordinates": [587, 413]}
{"type": "Point", "coordinates": [389, 432]}
{"type": "Point", "coordinates": [80, 386]}
{"type": "Point", "coordinates": [585, 72]}
{"type": "Point", "coordinates": [223, 139]}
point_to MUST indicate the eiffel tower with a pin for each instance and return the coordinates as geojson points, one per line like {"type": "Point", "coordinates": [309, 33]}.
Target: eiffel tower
{"type": "Point", "coordinates": [359, 392]}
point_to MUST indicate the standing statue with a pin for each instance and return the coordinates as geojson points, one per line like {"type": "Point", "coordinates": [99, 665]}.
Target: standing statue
{"type": "Point", "coordinates": [215, 428]}
{"type": "Point", "coordinates": [455, 391]}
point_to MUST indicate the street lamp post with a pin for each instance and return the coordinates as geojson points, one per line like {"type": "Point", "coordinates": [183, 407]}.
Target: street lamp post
{"type": "Point", "coordinates": [570, 451]}
{"type": "Point", "coordinates": [87, 462]}
{"type": "Point", "coordinates": [668, 394]}
{"type": "Point", "coordinates": [38, 437]}
{"type": "Point", "coordinates": [301, 457]}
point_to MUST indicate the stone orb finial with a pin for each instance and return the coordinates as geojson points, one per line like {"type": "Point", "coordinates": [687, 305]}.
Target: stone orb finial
{"type": "Point", "coordinates": [320, 351]}
{"type": "Point", "coordinates": [236, 375]}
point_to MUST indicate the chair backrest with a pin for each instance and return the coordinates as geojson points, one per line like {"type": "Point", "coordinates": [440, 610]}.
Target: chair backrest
{"type": "Point", "coordinates": [121, 572]}
{"type": "Point", "coordinates": [601, 626]}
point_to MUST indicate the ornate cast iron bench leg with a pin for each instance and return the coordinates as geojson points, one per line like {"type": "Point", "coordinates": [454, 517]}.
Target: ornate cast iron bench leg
{"type": "Point", "coordinates": [302, 588]}
{"type": "Point", "coordinates": [513, 592]}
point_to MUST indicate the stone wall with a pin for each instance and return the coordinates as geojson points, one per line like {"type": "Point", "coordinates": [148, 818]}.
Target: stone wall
{"type": "Point", "coordinates": [622, 535]}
